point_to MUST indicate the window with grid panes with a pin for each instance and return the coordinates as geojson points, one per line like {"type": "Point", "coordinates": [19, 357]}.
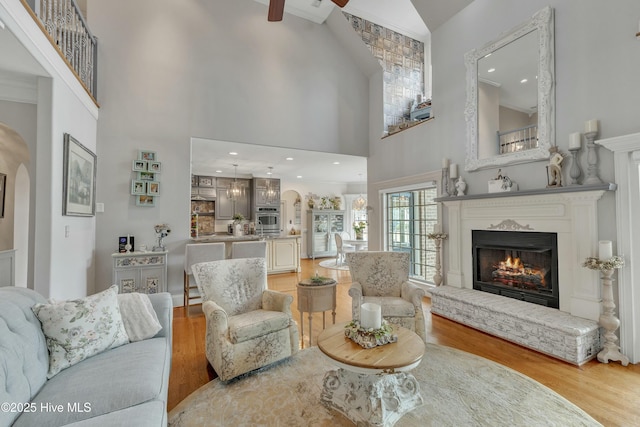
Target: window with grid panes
{"type": "Point", "coordinates": [410, 216]}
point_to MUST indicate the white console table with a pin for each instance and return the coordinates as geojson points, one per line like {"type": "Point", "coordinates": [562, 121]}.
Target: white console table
{"type": "Point", "coordinates": [144, 272]}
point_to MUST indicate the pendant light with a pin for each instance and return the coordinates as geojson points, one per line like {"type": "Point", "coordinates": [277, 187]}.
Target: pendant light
{"type": "Point", "coordinates": [360, 203]}
{"type": "Point", "coordinates": [235, 190]}
{"type": "Point", "coordinates": [270, 195]}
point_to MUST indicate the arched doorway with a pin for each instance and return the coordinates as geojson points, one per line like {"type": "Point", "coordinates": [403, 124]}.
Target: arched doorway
{"type": "Point", "coordinates": [14, 226]}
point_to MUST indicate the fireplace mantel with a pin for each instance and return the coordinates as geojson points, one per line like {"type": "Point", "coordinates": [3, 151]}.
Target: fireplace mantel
{"type": "Point", "coordinates": [554, 190]}
{"type": "Point", "coordinates": [570, 212]}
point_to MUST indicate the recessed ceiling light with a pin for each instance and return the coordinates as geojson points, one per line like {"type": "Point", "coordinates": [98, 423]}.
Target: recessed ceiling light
{"type": "Point", "coordinates": [299, 176]}
{"type": "Point", "coordinates": [233, 153]}
{"type": "Point", "coordinates": [289, 158]}
{"type": "Point", "coordinates": [218, 171]}
{"type": "Point", "coordinates": [524, 81]}
{"type": "Point", "coordinates": [491, 70]}
{"type": "Point", "coordinates": [336, 163]}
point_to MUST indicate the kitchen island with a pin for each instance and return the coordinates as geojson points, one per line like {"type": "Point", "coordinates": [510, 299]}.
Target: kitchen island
{"type": "Point", "coordinates": [283, 252]}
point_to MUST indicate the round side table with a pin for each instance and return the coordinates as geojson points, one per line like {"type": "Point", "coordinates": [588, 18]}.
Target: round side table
{"type": "Point", "coordinates": [314, 296]}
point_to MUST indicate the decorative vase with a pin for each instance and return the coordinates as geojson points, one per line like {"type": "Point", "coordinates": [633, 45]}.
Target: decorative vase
{"type": "Point", "coordinates": [359, 235]}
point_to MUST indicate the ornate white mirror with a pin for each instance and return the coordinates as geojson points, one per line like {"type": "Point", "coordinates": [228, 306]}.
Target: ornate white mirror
{"type": "Point", "coordinates": [510, 110]}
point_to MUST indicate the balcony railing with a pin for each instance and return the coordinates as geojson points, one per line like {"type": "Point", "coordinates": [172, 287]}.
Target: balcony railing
{"type": "Point", "coordinates": [68, 31]}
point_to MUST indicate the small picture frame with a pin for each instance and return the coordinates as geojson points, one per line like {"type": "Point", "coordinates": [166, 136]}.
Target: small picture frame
{"type": "Point", "coordinates": [147, 155]}
{"type": "Point", "coordinates": [139, 165]}
{"type": "Point", "coordinates": [138, 187]}
{"type": "Point", "coordinates": [145, 200]}
{"type": "Point", "coordinates": [152, 285]}
{"type": "Point", "coordinates": [146, 176]}
{"type": "Point", "coordinates": [127, 286]}
{"type": "Point", "coordinates": [153, 188]}
{"type": "Point", "coordinates": [154, 167]}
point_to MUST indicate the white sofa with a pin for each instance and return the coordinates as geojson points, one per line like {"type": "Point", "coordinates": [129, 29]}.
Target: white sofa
{"type": "Point", "coordinates": [127, 385]}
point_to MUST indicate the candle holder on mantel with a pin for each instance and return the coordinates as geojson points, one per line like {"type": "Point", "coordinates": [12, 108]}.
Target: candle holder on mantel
{"type": "Point", "coordinates": [576, 171]}
{"type": "Point", "coordinates": [592, 159]}
{"type": "Point", "coordinates": [608, 319]}
{"type": "Point", "coordinates": [438, 238]}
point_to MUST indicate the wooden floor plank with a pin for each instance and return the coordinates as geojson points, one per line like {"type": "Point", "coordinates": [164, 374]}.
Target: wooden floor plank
{"type": "Point", "coordinates": [608, 392]}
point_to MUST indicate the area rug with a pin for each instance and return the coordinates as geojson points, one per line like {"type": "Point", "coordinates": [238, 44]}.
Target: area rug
{"type": "Point", "coordinates": [459, 389]}
{"type": "Point", "coordinates": [331, 263]}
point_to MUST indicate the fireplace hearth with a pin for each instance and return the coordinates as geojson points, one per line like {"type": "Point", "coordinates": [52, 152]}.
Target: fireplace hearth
{"type": "Point", "coordinates": [516, 264]}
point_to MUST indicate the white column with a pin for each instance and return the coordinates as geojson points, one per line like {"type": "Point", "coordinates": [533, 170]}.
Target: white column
{"type": "Point", "coordinates": [627, 163]}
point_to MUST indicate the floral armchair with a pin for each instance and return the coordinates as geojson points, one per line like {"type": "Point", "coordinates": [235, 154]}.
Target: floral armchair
{"type": "Point", "coordinates": [248, 325]}
{"type": "Point", "coordinates": [383, 278]}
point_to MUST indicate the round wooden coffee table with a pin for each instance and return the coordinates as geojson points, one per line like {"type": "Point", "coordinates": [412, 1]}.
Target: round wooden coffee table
{"type": "Point", "coordinates": [371, 386]}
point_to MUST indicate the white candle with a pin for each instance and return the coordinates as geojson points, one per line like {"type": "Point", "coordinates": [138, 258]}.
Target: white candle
{"type": "Point", "coordinates": [370, 316]}
{"type": "Point", "coordinates": [453, 172]}
{"type": "Point", "coordinates": [445, 163]}
{"type": "Point", "coordinates": [605, 249]}
{"type": "Point", "coordinates": [437, 228]}
{"type": "Point", "coordinates": [591, 126]}
{"type": "Point", "coordinates": [128, 239]}
{"type": "Point", "coordinates": [575, 140]}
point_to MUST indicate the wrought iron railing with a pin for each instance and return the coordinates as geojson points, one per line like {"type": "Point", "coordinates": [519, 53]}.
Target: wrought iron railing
{"type": "Point", "coordinates": [70, 34]}
{"type": "Point", "coordinates": [518, 139]}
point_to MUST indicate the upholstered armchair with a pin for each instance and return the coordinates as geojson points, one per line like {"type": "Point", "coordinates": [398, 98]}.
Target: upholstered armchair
{"type": "Point", "coordinates": [248, 325]}
{"type": "Point", "coordinates": [383, 278]}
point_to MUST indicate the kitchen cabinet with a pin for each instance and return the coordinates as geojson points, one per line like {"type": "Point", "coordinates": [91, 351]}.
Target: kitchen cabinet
{"type": "Point", "coordinates": [144, 272]}
{"type": "Point", "coordinates": [265, 191]}
{"type": "Point", "coordinates": [283, 255]}
{"type": "Point", "coordinates": [226, 208]}
{"type": "Point", "coordinates": [322, 224]}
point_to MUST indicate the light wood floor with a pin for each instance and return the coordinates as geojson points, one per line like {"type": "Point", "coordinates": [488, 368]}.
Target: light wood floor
{"type": "Point", "coordinates": [608, 392]}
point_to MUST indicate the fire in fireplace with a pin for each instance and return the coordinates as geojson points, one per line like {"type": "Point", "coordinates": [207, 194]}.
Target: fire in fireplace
{"type": "Point", "coordinates": [521, 265]}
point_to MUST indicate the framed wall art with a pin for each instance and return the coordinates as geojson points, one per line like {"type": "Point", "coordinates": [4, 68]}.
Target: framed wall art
{"type": "Point", "coordinates": [154, 167]}
{"type": "Point", "coordinates": [139, 165]}
{"type": "Point", "coordinates": [79, 179]}
{"type": "Point", "coordinates": [145, 200]}
{"type": "Point", "coordinates": [3, 189]}
{"type": "Point", "coordinates": [147, 155]}
{"type": "Point", "coordinates": [153, 188]}
{"type": "Point", "coordinates": [146, 176]}
{"type": "Point", "coordinates": [138, 187]}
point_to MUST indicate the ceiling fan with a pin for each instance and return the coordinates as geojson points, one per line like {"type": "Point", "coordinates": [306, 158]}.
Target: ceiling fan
{"type": "Point", "coordinates": [276, 8]}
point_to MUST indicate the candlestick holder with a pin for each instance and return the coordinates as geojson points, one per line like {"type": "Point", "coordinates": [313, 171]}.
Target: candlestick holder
{"type": "Point", "coordinates": [445, 182]}
{"type": "Point", "coordinates": [437, 238]}
{"type": "Point", "coordinates": [608, 320]}
{"type": "Point", "coordinates": [592, 160]}
{"type": "Point", "coordinates": [576, 171]}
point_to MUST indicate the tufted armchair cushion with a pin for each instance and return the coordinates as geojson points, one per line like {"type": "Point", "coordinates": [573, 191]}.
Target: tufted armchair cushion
{"type": "Point", "coordinates": [249, 279]}
{"type": "Point", "coordinates": [248, 325]}
{"type": "Point", "coordinates": [382, 278]}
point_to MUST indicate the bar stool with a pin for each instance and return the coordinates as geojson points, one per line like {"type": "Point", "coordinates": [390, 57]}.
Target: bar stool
{"type": "Point", "coordinates": [195, 253]}
{"type": "Point", "coordinates": [255, 249]}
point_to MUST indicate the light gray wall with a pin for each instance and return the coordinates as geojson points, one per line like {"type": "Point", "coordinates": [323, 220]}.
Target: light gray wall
{"type": "Point", "coordinates": [597, 63]}
{"type": "Point", "coordinates": [169, 71]}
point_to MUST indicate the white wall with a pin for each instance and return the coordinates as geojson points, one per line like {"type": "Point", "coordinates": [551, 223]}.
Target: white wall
{"type": "Point", "coordinates": [169, 71]}
{"type": "Point", "coordinates": [63, 267]}
{"type": "Point", "coordinates": [597, 58]}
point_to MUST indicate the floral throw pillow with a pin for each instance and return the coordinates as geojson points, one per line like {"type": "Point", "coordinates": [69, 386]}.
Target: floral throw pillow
{"type": "Point", "coordinates": [81, 328]}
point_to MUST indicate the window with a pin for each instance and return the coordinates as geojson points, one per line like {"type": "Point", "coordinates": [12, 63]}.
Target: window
{"type": "Point", "coordinates": [410, 215]}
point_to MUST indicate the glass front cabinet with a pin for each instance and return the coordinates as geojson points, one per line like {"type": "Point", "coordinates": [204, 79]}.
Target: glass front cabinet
{"type": "Point", "coordinates": [322, 225]}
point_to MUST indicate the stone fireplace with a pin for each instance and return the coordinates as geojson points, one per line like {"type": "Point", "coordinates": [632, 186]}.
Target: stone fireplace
{"type": "Point", "coordinates": [528, 246]}
{"type": "Point", "coordinates": [569, 213]}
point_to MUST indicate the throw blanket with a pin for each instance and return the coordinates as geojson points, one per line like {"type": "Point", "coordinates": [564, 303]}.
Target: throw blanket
{"type": "Point", "coordinates": [139, 317]}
